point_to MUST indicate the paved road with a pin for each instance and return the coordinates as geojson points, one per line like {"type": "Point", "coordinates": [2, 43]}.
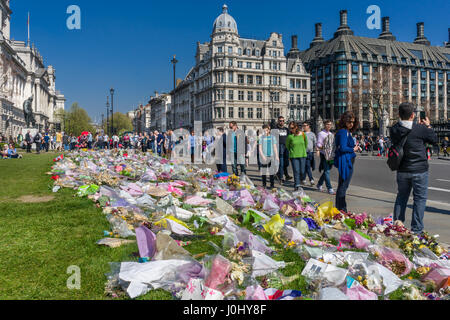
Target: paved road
{"type": "Point", "coordinates": [373, 173]}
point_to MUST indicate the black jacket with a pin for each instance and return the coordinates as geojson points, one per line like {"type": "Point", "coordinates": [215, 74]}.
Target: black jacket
{"type": "Point", "coordinates": [415, 159]}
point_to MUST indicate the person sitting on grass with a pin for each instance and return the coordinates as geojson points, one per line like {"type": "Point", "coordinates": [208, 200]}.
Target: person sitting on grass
{"type": "Point", "coordinates": [12, 152]}
{"type": "Point", "coordinates": [4, 152]}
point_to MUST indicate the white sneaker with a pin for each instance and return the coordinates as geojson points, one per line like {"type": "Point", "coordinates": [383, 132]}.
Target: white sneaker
{"type": "Point", "coordinates": [312, 183]}
{"type": "Point", "coordinates": [320, 188]}
{"type": "Point", "coordinates": [331, 191]}
{"type": "Point", "coordinates": [304, 183]}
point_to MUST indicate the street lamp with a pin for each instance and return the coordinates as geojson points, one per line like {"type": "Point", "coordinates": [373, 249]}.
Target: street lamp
{"type": "Point", "coordinates": [112, 110]}
{"type": "Point", "coordinates": [174, 61]}
{"type": "Point", "coordinates": [107, 115]}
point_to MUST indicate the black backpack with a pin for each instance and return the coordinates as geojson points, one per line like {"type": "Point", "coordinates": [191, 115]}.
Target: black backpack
{"type": "Point", "coordinates": [37, 138]}
{"type": "Point", "coordinates": [395, 155]}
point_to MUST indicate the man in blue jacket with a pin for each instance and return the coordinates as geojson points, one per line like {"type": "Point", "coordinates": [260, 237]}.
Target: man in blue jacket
{"type": "Point", "coordinates": [413, 170]}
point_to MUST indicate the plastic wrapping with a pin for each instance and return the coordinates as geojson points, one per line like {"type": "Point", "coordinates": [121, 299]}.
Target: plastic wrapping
{"type": "Point", "coordinates": [355, 240]}
{"type": "Point", "coordinates": [217, 276]}
{"type": "Point", "coordinates": [392, 259]}
{"type": "Point", "coordinates": [275, 225]}
{"type": "Point", "coordinates": [146, 241]}
{"type": "Point", "coordinates": [331, 293]}
{"type": "Point", "coordinates": [245, 200]}
{"type": "Point", "coordinates": [224, 207]}
{"type": "Point", "coordinates": [143, 277]}
{"type": "Point", "coordinates": [263, 264]}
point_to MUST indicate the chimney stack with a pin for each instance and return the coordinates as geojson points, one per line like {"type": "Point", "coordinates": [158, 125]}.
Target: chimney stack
{"type": "Point", "coordinates": [386, 33]}
{"type": "Point", "coordinates": [318, 39]}
{"type": "Point", "coordinates": [294, 42]}
{"type": "Point", "coordinates": [448, 43]}
{"type": "Point", "coordinates": [343, 28]}
{"type": "Point", "coordinates": [420, 30]}
{"type": "Point", "coordinates": [293, 52]}
{"type": "Point", "coordinates": [319, 30]}
{"type": "Point", "coordinates": [344, 18]}
{"type": "Point", "coordinates": [386, 25]}
{"type": "Point", "coordinates": [421, 39]}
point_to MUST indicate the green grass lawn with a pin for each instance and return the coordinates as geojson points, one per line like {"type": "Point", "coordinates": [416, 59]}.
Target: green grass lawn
{"type": "Point", "coordinates": [39, 241]}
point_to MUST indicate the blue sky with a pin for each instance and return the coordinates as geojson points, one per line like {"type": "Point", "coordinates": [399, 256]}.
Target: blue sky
{"type": "Point", "coordinates": [128, 44]}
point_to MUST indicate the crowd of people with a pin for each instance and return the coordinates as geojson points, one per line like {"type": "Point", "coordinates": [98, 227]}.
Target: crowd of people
{"type": "Point", "coordinates": [293, 144]}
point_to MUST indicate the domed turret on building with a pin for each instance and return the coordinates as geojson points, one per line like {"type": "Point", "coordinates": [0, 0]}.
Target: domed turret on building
{"type": "Point", "coordinates": [225, 22]}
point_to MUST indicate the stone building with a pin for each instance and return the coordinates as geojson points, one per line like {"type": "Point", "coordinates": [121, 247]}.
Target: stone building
{"type": "Point", "coordinates": [24, 75]}
{"type": "Point", "coordinates": [245, 80]}
{"type": "Point", "coordinates": [160, 109]}
{"type": "Point", "coordinates": [141, 119]}
{"type": "Point", "coordinates": [372, 77]}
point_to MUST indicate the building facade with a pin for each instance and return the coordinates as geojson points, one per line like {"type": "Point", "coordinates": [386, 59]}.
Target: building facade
{"type": "Point", "coordinates": [372, 77]}
{"type": "Point", "coordinates": [141, 119]}
{"type": "Point", "coordinates": [160, 110]}
{"type": "Point", "coordinates": [24, 75]}
{"type": "Point", "coordinates": [244, 80]}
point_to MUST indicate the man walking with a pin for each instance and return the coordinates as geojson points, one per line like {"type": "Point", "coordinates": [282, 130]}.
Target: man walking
{"type": "Point", "coordinates": [238, 157]}
{"type": "Point", "coordinates": [159, 142]}
{"type": "Point", "coordinates": [38, 141]}
{"type": "Point", "coordinates": [413, 170]}
{"type": "Point", "coordinates": [310, 161]}
{"type": "Point", "coordinates": [325, 164]}
{"type": "Point", "coordinates": [283, 152]}
{"type": "Point", "coordinates": [29, 141]}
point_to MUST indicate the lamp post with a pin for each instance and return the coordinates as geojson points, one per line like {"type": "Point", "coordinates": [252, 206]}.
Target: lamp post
{"type": "Point", "coordinates": [112, 110]}
{"type": "Point", "coordinates": [107, 115]}
{"type": "Point", "coordinates": [174, 61]}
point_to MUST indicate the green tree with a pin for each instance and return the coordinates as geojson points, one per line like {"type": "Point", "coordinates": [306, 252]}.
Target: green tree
{"type": "Point", "coordinates": [78, 120]}
{"type": "Point", "coordinates": [121, 123]}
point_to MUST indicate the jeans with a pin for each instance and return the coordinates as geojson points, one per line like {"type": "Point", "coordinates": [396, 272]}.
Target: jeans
{"type": "Point", "coordinates": [159, 149]}
{"type": "Point", "coordinates": [326, 173]}
{"type": "Point", "coordinates": [418, 182]}
{"type": "Point", "coordinates": [234, 166]}
{"type": "Point", "coordinates": [309, 166]}
{"type": "Point", "coordinates": [298, 166]}
{"type": "Point", "coordinates": [284, 161]}
{"type": "Point", "coordinates": [341, 204]}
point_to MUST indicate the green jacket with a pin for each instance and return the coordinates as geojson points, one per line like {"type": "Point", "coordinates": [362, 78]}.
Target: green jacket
{"type": "Point", "coordinates": [297, 145]}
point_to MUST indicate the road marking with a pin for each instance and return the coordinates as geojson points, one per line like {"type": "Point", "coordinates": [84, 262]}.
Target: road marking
{"type": "Point", "coordinates": [438, 189]}
{"type": "Point", "coordinates": [443, 180]}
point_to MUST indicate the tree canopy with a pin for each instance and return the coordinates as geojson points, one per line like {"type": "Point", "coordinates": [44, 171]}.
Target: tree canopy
{"type": "Point", "coordinates": [77, 120]}
{"type": "Point", "coordinates": [122, 123]}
